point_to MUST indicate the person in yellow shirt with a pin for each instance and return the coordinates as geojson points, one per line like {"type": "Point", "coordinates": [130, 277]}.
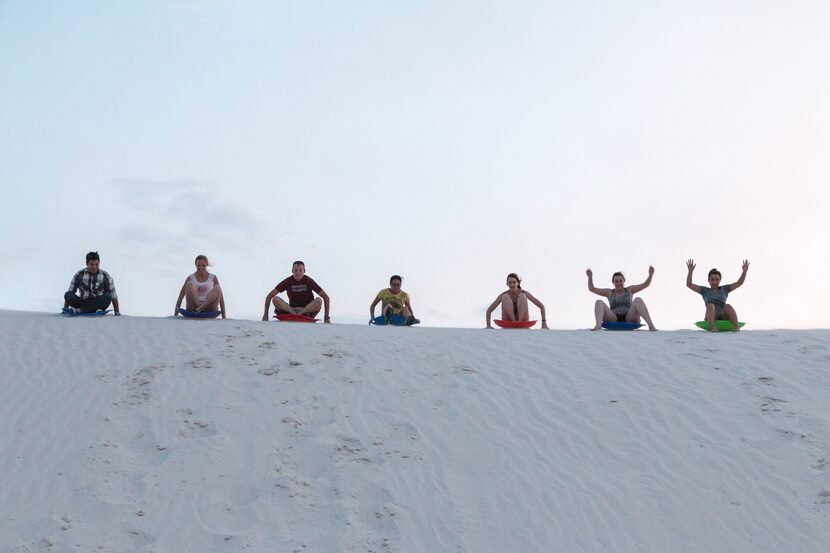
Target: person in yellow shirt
{"type": "Point", "coordinates": [394, 301]}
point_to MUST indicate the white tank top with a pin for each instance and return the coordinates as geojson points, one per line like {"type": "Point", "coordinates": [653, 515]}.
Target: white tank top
{"type": "Point", "coordinates": [203, 288]}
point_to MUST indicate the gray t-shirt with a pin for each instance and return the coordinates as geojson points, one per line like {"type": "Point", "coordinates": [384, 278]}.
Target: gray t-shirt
{"type": "Point", "coordinates": [717, 298]}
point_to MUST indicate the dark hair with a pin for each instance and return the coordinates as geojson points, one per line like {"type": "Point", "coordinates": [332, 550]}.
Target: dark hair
{"type": "Point", "coordinates": [298, 263]}
{"type": "Point", "coordinates": [615, 275]}
{"type": "Point", "coordinates": [92, 256]}
{"type": "Point", "coordinates": [514, 275]}
{"type": "Point", "coordinates": [714, 272]}
{"type": "Point", "coordinates": [198, 257]}
{"type": "Point", "coordinates": [395, 277]}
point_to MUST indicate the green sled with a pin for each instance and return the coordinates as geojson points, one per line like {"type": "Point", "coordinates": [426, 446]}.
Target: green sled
{"type": "Point", "coordinates": [721, 325]}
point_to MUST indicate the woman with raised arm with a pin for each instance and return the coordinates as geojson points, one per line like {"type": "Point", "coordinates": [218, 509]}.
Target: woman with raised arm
{"type": "Point", "coordinates": [513, 303]}
{"type": "Point", "coordinates": [714, 296]}
{"type": "Point", "coordinates": [622, 306]}
{"type": "Point", "coordinates": [202, 290]}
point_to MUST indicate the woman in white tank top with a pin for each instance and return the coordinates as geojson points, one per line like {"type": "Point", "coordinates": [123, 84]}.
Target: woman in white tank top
{"type": "Point", "coordinates": [202, 290]}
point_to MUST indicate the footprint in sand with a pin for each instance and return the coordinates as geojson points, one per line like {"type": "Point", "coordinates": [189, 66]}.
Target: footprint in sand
{"type": "Point", "coordinates": [201, 363]}
{"type": "Point", "coordinates": [192, 426]}
{"type": "Point", "coordinates": [351, 449]}
{"type": "Point", "coordinates": [139, 384]}
{"type": "Point", "coordinates": [770, 404]}
{"type": "Point", "coordinates": [269, 371]}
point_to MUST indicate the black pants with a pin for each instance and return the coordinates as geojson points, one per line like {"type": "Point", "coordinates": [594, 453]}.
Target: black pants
{"type": "Point", "coordinates": [89, 305]}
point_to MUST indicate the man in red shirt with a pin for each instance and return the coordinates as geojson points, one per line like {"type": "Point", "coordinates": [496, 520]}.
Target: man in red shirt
{"type": "Point", "coordinates": [300, 290]}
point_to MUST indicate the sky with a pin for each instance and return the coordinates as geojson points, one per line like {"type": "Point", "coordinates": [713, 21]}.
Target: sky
{"type": "Point", "coordinates": [449, 142]}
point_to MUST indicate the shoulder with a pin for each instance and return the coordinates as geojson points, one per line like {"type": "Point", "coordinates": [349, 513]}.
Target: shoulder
{"type": "Point", "coordinates": [284, 282]}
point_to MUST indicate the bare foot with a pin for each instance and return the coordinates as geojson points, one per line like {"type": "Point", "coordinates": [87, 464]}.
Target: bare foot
{"type": "Point", "coordinates": [596, 328]}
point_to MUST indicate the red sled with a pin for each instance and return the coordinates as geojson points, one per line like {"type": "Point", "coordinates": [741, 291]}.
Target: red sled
{"type": "Point", "coordinates": [514, 324]}
{"type": "Point", "coordinates": [294, 318]}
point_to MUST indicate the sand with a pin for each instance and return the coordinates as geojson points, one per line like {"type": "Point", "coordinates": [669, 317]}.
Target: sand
{"type": "Point", "coordinates": [165, 435]}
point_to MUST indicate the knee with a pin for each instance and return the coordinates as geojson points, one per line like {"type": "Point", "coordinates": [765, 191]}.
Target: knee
{"type": "Point", "coordinates": [69, 295]}
{"type": "Point", "coordinates": [638, 302]}
{"type": "Point", "coordinates": [710, 308]}
{"type": "Point", "coordinates": [599, 303]}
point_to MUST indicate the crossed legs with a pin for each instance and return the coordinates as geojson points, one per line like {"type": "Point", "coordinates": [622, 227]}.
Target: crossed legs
{"type": "Point", "coordinates": [309, 310]}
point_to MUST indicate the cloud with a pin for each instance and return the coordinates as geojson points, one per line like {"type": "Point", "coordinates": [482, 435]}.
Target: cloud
{"type": "Point", "coordinates": [169, 216]}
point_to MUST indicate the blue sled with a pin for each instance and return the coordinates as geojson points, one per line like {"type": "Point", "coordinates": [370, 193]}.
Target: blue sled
{"type": "Point", "coordinates": [397, 320]}
{"type": "Point", "coordinates": [621, 326]}
{"type": "Point", "coordinates": [199, 315]}
{"type": "Point", "coordinates": [69, 313]}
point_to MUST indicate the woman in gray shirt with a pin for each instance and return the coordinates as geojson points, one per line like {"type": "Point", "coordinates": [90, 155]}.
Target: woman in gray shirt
{"type": "Point", "coordinates": [714, 296]}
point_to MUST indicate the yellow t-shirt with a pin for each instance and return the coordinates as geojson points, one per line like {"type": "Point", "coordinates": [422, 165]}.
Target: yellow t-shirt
{"type": "Point", "coordinates": [396, 301]}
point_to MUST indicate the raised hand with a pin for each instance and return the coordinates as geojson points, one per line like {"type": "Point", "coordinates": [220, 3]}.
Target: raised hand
{"type": "Point", "coordinates": [745, 266]}
{"type": "Point", "coordinates": [650, 270]}
{"type": "Point", "coordinates": [590, 273]}
{"type": "Point", "coordinates": [691, 265]}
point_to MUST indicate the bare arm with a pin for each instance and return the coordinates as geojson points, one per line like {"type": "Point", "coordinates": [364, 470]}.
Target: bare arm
{"type": "Point", "coordinates": [604, 292]}
{"type": "Point", "coordinates": [690, 264]}
{"type": "Point", "coordinates": [637, 287]}
{"type": "Point", "coordinates": [116, 306]}
{"type": "Point", "coordinates": [221, 296]}
{"type": "Point", "coordinates": [372, 309]}
{"type": "Point", "coordinates": [409, 306]}
{"type": "Point", "coordinates": [268, 299]}
{"type": "Point", "coordinates": [738, 283]}
{"type": "Point", "coordinates": [493, 308]}
{"type": "Point", "coordinates": [532, 299]}
{"type": "Point", "coordinates": [326, 305]}
{"type": "Point", "coordinates": [179, 301]}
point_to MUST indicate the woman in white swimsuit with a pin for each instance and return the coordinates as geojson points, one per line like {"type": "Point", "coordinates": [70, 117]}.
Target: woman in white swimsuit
{"type": "Point", "coordinates": [202, 290]}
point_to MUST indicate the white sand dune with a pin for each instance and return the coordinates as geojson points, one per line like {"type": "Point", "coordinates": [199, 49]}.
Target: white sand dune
{"type": "Point", "coordinates": [162, 435]}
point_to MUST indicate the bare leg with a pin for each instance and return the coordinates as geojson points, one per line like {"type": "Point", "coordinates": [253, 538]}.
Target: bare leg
{"type": "Point", "coordinates": [599, 313]}
{"type": "Point", "coordinates": [312, 308]}
{"type": "Point", "coordinates": [602, 313]}
{"type": "Point", "coordinates": [639, 309]}
{"type": "Point", "coordinates": [521, 304]}
{"type": "Point", "coordinates": [212, 300]}
{"type": "Point", "coordinates": [192, 296]}
{"type": "Point", "coordinates": [507, 312]}
{"type": "Point", "coordinates": [733, 317]}
{"type": "Point", "coordinates": [281, 305]}
{"type": "Point", "coordinates": [710, 318]}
